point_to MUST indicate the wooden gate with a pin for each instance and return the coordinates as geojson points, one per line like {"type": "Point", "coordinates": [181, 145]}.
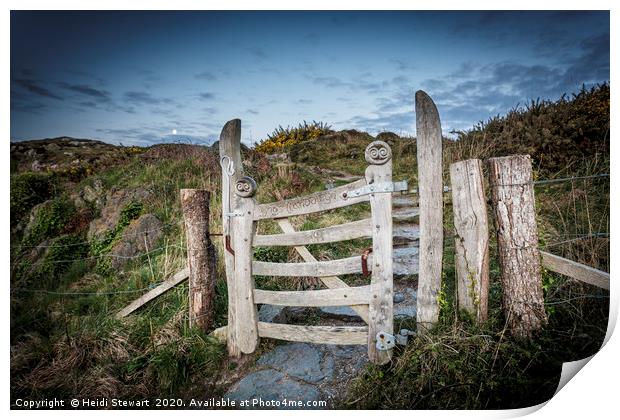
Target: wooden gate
{"type": "Point", "coordinates": [373, 303]}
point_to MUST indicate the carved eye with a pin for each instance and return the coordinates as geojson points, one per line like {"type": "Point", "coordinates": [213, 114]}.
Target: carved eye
{"type": "Point", "coordinates": [378, 152]}
{"type": "Point", "coordinates": [245, 187]}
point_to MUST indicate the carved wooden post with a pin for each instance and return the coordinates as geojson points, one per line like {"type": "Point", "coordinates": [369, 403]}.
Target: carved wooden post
{"type": "Point", "coordinates": [200, 258]}
{"type": "Point", "coordinates": [517, 238]}
{"type": "Point", "coordinates": [430, 187]}
{"type": "Point", "coordinates": [379, 155]}
{"type": "Point", "coordinates": [471, 236]}
{"type": "Point", "coordinates": [239, 226]}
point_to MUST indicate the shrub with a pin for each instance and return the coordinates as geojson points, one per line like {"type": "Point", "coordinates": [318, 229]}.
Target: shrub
{"type": "Point", "coordinates": [282, 138]}
{"type": "Point", "coordinates": [27, 190]}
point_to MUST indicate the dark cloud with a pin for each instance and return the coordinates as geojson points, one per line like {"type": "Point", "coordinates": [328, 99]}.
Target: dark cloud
{"type": "Point", "coordinates": [304, 101]}
{"type": "Point", "coordinates": [252, 111]}
{"type": "Point", "coordinates": [145, 98]}
{"type": "Point", "coordinates": [259, 53]}
{"type": "Point", "coordinates": [312, 38]}
{"type": "Point", "coordinates": [35, 87]}
{"type": "Point", "coordinates": [205, 75]}
{"type": "Point", "coordinates": [205, 96]}
{"type": "Point", "coordinates": [97, 94]}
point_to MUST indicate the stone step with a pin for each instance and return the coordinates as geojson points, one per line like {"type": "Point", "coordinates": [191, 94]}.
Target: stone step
{"type": "Point", "coordinates": [405, 235]}
{"type": "Point", "coordinates": [405, 214]}
{"type": "Point", "coordinates": [405, 261]}
{"type": "Point", "coordinates": [404, 201]}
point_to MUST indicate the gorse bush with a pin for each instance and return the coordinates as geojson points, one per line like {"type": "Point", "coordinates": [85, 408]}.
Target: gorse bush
{"type": "Point", "coordinates": [556, 134]}
{"type": "Point", "coordinates": [282, 138]}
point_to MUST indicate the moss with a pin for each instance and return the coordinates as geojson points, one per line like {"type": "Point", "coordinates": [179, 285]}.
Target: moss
{"type": "Point", "coordinates": [50, 220]}
{"type": "Point", "coordinates": [103, 245]}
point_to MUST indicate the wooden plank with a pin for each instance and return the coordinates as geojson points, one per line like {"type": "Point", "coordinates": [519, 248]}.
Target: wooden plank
{"type": "Point", "coordinates": [575, 270]}
{"type": "Point", "coordinates": [152, 294]}
{"type": "Point", "coordinates": [471, 237]}
{"type": "Point", "coordinates": [200, 258]}
{"type": "Point", "coordinates": [313, 298]}
{"type": "Point", "coordinates": [312, 203]}
{"type": "Point", "coordinates": [380, 309]}
{"type": "Point", "coordinates": [430, 184]}
{"type": "Point", "coordinates": [332, 282]}
{"type": "Point", "coordinates": [349, 265]}
{"type": "Point", "coordinates": [230, 145]}
{"type": "Point", "coordinates": [512, 196]}
{"type": "Point", "coordinates": [343, 232]}
{"type": "Point", "coordinates": [243, 229]}
{"type": "Point", "coordinates": [314, 334]}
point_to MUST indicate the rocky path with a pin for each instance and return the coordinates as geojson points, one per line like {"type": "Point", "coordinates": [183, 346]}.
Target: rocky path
{"type": "Point", "coordinates": [301, 372]}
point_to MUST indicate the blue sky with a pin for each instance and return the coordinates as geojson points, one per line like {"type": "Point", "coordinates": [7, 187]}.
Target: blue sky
{"type": "Point", "coordinates": [134, 77]}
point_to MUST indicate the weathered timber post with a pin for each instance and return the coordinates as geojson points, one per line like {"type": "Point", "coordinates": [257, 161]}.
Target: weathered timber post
{"type": "Point", "coordinates": [430, 187]}
{"type": "Point", "coordinates": [380, 309]}
{"type": "Point", "coordinates": [512, 194]}
{"type": "Point", "coordinates": [200, 257]}
{"type": "Point", "coordinates": [471, 237]}
{"type": "Point", "coordinates": [239, 226]}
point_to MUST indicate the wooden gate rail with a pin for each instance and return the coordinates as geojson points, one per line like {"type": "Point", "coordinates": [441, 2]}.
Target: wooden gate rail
{"type": "Point", "coordinates": [351, 265]}
{"type": "Point", "coordinates": [328, 297]}
{"type": "Point", "coordinates": [312, 203]}
{"type": "Point", "coordinates": [314, 334]}
{"type": "Point", "coordinates": [343, 232]}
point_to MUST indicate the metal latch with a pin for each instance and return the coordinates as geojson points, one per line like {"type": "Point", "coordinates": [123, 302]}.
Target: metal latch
{"type": "Point", "coordinates": [379, 187]}
{"type": "Point", "coordinates": [385, 341]}
{"type": "Point", "coordinates": [403, 336]}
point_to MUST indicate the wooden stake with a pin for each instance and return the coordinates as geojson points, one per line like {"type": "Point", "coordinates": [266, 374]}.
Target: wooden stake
{"type": "Point", "coordinates": [200, 258]}
{"type": "Point", "coordinates": [512, 194]}
{"type": "Point", "coordinates": [471, 236]}
{"type": "Point", "coordinates": [430, 184]}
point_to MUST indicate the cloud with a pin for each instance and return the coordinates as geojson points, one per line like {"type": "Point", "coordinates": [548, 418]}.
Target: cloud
{"type": "Point", "coordinates": [259, 53]}
{"type": "Point", "coordinates": [145, 98]}
{"type": "Point", "coordinates": [205, 75]}
{"type": "Point", "coordinates": [206, 96]}
{"type": "Point", "coordinates": [33, 86]}
{"type": "Point", "coordinates": [97, 94]}
{"type": "Point", "coordinates": [304, 101]}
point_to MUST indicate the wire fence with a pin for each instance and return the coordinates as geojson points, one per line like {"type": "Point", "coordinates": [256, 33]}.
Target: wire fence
{"type": "Point", "coordinates": [181, 246]}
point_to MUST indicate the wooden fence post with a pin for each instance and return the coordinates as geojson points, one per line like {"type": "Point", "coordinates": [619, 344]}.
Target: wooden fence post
{"type": "Point", "coordinates": [471, 237]}
{"type": "Point", "coordinates": [512, 194]}
{"type": "Point", "coordinates": [200, 257]}
{"type": "Point", "coordinates": [430, 187]}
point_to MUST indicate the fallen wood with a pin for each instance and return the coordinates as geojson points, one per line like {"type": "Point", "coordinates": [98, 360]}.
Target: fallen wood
{"type": "Point", "coordinates": [152, 294]}
{"type": "Point", "coordinates": [575, 270]}
{"type": "Point", "coordinates": [332, 282]}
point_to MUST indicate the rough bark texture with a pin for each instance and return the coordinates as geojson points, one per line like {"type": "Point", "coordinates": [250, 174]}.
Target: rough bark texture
{"type": "Point", "coordinates": [430, 185]}
{"type": "Point", "coordinates": [517, 237]}
{"type": "Point", "coordinates": [471, 237]}
{"type": "Point", "coordinates": [200, 258]}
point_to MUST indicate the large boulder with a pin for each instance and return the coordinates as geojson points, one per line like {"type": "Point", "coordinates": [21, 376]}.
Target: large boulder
{"type": "Point", "coordinates": [138, 238]}
{"type": "Point", "coordinates": [111, 210]}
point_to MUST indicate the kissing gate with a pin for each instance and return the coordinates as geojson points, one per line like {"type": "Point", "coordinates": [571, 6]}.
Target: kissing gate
{"type": "Point", "coordinates": [240, 213]}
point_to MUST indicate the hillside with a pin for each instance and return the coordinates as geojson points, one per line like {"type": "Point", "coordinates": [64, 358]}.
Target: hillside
{"type": "Point", "coordinates": [79, 210]}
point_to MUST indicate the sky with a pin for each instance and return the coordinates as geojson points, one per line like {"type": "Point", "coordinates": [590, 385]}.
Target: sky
{"type": "Point", "coordinates": [139, 78]}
